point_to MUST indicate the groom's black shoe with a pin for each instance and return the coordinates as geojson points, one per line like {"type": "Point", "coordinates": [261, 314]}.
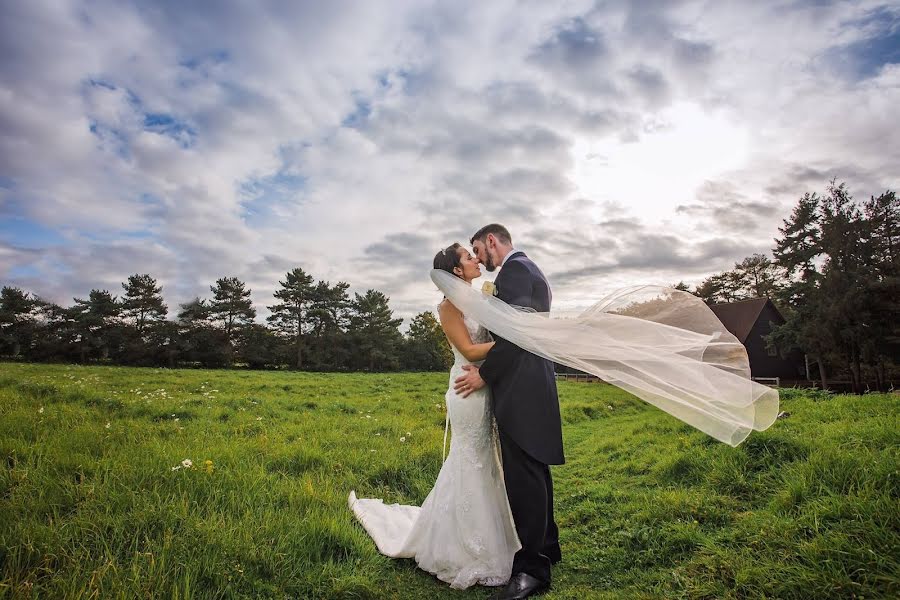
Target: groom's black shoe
{"type": "Point", "coordinates": [522, 585]}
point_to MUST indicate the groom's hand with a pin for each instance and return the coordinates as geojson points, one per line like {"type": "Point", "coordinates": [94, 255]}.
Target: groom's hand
{"type": "Point", "coordinates": [469, 382]}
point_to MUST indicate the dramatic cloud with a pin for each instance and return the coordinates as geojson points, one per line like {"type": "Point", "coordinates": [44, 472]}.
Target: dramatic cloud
{"type": "Point", "coordinates": [621, 142]}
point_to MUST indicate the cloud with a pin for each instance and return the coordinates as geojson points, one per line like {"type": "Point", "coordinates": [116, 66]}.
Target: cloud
{"type": "Point", "coordinates": [722, 205]}
{"type": "Point", "coordinates": [354, 141]}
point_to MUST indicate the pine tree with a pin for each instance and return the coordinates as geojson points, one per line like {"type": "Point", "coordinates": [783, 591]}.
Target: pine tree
{"type": "Point", "coordinates": [882, 345]}
{"type": "Point", "coordinates": [800, 241]}
{"type": "Point", "coordinates": [328, 318]}
{"type": "Point", "coordinates": [17, 319]}
{"type": "Point", "coordinates": [197, 340]}
{"type": "Point", "coordinates": [97, 322]}
{"type": "Point", "coordinates": [289, 314]}
{"type": "Point", "coordinates": [231, 305]}
{"type": "Point", "coordinates": [427, 348]}
{"type": "Point", "coordinates": [143, 302]}
{"type": "Point", "coordinates": [194, 312]}
{"type": "Point", "coordinates": [835, 310]}
{"type": "Point", "coordinates": [375, 332]}
{"type": "Point", "coordinates": [55, 333]}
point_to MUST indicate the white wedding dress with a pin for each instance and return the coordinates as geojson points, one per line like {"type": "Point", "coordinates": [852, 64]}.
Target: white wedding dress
{"type": "Point", "coordinates": [464, 532]}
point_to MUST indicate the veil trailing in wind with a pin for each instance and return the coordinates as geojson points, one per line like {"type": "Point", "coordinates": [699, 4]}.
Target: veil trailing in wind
{"type": "Point", "coordinates": [663, 345]}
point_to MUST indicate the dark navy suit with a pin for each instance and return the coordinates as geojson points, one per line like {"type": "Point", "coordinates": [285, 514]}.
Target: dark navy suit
{"type": "Point", "coordinates": [526, 408]}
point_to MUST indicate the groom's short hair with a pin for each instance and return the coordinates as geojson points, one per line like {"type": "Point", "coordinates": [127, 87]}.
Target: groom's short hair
{"type": "Point", "coordinates": [500, 232]}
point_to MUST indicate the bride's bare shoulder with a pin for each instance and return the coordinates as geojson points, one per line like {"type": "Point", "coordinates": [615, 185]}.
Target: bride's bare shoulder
{"type": "Point", "coordinates": [448, 309]}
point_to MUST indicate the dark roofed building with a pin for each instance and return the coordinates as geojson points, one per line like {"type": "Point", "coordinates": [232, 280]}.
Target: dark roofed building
{"type": "Point", "coordinates": [751, 321]}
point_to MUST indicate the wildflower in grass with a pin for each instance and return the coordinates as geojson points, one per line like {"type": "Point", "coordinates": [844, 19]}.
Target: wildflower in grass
{"type": "Point", "coordinates": [259, 418]}
{"type": "Point", "coordinates": [402, 438]}
{"type": "Point", "coordinates": [187, 463]}
{"type": "Point", "coordinates": [208, 466]}
{"type": "Point", "coordinates": [175, 468]}
{"type": "Point", "coordinates": [41, 410]}
{"type": "Point", "coordinates": [107, 424]}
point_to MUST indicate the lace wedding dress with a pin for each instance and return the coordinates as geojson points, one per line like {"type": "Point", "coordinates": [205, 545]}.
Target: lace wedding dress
{"type": "Point", "coordinates": [464, 531]}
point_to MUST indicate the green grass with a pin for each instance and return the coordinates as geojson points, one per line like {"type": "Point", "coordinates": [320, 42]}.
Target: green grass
{"type": "Point", "coordinates": [648, 508]}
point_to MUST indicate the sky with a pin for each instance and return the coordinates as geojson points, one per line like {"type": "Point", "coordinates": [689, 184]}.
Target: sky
{"type": "Point", "coordinates": [620, 142]}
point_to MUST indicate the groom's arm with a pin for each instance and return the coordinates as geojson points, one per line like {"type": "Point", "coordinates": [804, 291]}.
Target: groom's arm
{"type": "Point", "coordinates": [515, 288]}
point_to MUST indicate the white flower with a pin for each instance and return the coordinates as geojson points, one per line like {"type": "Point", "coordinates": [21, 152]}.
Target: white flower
{"type": "Point", "coordinates": [41, 410]}
{"type": "Point", "coordinates": [402, 438]}
{"type": "Point", "coordinates": [489, 288]}
{"type": "Point", "coordinates": [259, 418]}
{"type": "Point", "coordinates": [408, 433]}
{"type": "Point", "coordinates": [177, 419]}
{"type": "Point", "coordinates": [187, 463]}
{"type": "Point", "coordinates": [107, 424]}
{"type": "Point", "coordinates": [176, 468]}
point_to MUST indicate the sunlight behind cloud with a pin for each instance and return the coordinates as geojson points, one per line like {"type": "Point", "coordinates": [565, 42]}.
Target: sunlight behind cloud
{"type": "Point", "coordinates": [674, 155]}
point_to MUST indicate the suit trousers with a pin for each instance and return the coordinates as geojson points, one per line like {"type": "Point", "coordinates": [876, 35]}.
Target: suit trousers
{"type": "Point", "coordinates": [529, 488]}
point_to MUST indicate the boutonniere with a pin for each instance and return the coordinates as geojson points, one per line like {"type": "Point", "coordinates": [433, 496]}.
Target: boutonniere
{"type": "Point", "coordinates": [489, 288]}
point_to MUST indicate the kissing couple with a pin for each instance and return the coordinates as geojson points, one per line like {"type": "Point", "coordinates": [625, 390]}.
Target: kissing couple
{"type": "Point", "coordinates": [489, 519]}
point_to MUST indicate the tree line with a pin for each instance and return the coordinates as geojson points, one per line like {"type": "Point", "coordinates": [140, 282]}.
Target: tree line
{"type": "Point", "coordinates": [313, 325]}
{"type": "Point", "coordinates": [835, 277]}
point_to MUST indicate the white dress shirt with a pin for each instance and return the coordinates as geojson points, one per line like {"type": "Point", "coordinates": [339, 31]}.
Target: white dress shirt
{"type": "Point", "coordinates": [508, 254]}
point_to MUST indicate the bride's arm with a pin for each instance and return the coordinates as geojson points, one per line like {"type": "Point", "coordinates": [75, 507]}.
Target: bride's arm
{"type": "Point", "coordinates": [455, 330]}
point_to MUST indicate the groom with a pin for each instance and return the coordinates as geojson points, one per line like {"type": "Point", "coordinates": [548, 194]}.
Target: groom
{"type": "Point", "coordinates": [526, 408]}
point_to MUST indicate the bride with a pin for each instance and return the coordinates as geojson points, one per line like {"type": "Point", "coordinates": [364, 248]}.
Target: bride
{"type": "Point", "coordinates": [464, 532]}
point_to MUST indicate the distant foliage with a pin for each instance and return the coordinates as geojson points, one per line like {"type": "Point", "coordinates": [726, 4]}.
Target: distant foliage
{"type": "Point", "coordinates": [314, 325]}
{"type": "Point", "coordinates": [842, 292]}
{"type": "Point", "coordinates": [834, 274]}
{"type": "Point", "coordinates": [836, 279]}
{"type": "Point", "coordinates": [289, 314]}
{"type": "Point", "coordinates": [374, 333]}
{"type": "Point", "coordinates": [754, 277]}
{"type": "Point", "coordinates": [427, 348]}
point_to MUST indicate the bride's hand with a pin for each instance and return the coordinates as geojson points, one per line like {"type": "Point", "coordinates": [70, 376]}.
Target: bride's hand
{"type": "Point", "coordinates": [469, 382]}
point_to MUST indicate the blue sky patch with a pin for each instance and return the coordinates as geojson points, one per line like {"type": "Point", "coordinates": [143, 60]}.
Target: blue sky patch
{"type": "Point", "coordinates": [357, 118]}
{"type": "Point", "coordinates": [165, 124]}
{"type": "Point", "coordinates": [24, 272]}
{"type": "Point", "coordinates": [262, 195]}
{"type": "Point", "coordinates": [215, 57]}
{"type": "Point", "coordinates": [865, 58]}
{"type": "Point", "coordinates": [25, 233]}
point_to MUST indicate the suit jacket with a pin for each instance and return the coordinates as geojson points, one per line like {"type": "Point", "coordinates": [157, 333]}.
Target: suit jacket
{"type": "Point", "coordinates": [523, 385]}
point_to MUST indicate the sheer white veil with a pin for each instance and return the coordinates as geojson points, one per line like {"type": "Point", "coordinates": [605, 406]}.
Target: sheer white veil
{"type": "Point", "coordinates": [663, 345]}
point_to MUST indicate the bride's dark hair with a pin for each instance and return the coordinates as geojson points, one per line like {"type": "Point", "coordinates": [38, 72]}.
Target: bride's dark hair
{"type": "Point", "coordinates": [448, 258]}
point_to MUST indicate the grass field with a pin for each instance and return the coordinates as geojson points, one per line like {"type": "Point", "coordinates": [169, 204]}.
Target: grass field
{"type": "Point", "coordinates": [95, 502]}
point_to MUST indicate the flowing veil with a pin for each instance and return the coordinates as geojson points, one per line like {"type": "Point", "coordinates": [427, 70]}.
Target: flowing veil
{"type": "Point", "coordinates": [663, 345]}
